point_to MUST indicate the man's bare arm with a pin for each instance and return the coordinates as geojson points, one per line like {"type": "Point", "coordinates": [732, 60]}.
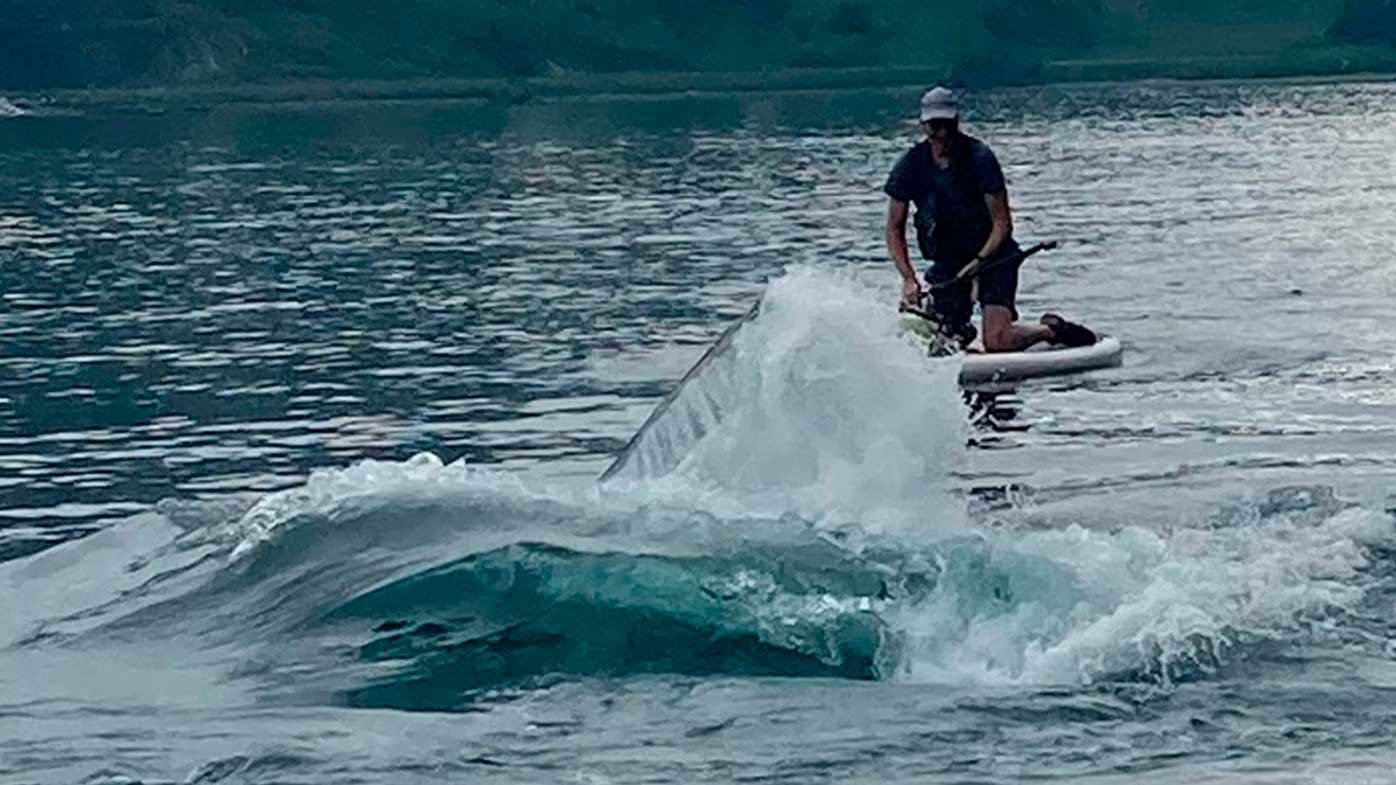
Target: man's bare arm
{"type": "Point", "coordinates": [1002, 217]}
{"type": "Point", "coordinates": [896, 247]}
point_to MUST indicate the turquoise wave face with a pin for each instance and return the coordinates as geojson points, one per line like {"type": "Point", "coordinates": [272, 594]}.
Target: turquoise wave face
{"type": "Point", "coordinates": [526, 611]}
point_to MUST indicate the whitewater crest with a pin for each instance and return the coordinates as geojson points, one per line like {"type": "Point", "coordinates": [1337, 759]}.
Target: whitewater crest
{"type": "Point", "coordinates": [1076, 606]}
{"type": "Point", "coordinates": [337, 494]}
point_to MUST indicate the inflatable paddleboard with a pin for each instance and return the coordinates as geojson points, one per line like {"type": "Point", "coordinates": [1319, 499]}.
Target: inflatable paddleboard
{"type": "Point", "coordinates": [980, 367]}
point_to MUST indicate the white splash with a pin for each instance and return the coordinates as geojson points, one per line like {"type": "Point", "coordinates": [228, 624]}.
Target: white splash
{"type": "Point", "coordinates": [1071, 606]}
{"type": "Point", "coordinates": [820, 408]}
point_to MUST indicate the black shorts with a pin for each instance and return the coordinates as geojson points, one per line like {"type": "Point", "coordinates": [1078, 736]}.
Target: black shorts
{"type": "Point", "coordinates": [998, 285]}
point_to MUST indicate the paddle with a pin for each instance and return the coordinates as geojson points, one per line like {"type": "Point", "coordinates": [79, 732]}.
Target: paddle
{"type": "Point", "coordinates": [975, 269]}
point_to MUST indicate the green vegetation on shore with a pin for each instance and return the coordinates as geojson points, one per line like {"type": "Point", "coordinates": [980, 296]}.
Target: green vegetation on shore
{"type": "Point", "coordinates": [475, 48]}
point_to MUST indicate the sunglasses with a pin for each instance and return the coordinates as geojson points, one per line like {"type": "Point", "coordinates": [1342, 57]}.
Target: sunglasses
{"type": "Point", "coordinates": [939, 124]}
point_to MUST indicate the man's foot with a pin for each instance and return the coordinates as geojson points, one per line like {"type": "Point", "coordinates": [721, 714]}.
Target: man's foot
{"type": "Point", "coordinates": [1067, 333]}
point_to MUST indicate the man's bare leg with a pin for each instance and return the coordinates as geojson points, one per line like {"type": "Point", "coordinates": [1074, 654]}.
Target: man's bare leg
{"type": "Point", "coordinates": [1001, 334]}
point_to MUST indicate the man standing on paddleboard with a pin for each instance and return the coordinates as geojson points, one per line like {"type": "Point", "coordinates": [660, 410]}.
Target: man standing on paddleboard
{"type": "Point", "coordinates": [963, 226]}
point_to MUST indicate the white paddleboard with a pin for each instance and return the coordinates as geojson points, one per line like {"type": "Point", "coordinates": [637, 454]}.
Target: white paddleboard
{"type": "Point", "coordinates": [980, 368]}
{"type": "Point", "coordinates": [1041, 360]}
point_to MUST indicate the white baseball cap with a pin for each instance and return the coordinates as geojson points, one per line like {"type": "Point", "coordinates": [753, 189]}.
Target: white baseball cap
{"type": "Point", "coordinates": [940, 103]}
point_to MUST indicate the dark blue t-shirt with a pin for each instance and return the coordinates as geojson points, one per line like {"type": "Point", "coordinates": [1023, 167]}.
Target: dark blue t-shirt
{"type": "Point", "coordinates": [952, 220]}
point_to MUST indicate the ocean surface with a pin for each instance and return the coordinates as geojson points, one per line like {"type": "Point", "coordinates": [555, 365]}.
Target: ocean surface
{"type": "Point", "coordinates": [302, 410]}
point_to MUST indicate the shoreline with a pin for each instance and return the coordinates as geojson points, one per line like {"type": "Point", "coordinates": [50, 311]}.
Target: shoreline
{"type": "Point", "coordinates": [1328, 64]}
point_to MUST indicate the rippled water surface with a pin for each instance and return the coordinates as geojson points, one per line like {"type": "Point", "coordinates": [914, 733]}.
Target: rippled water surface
{"type": "Point", "coordinates": [311, 401]}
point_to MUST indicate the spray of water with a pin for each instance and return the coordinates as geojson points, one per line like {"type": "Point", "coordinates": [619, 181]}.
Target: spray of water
{"type": "Point", "coordinates": [818, 406]}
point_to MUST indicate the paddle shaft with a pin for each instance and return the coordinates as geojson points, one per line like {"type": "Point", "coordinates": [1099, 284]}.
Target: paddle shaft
{"type": "Point", "coordinates": [972, 270]}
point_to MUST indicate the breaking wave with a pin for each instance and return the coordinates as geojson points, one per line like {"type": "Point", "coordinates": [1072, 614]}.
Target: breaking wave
{"type": "Point", "coordinates": [809, 531]}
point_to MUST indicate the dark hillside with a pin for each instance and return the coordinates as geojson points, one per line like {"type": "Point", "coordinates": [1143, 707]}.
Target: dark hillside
{"type": "Point", "coordinates": [100, 43]}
